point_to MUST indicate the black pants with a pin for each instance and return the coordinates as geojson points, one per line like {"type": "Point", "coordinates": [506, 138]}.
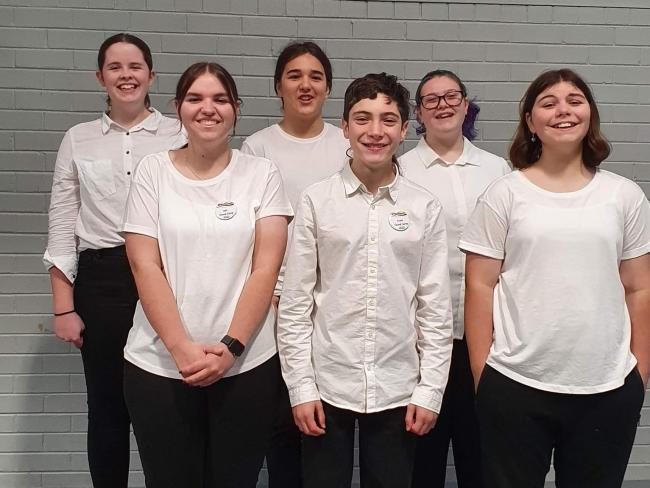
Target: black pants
{"type": "Point", "coordinates": [193, 437]}
{"type": "Point", "coordinates": [386, 450]}
{"type": "Point", "coordinates": [105, 297]}
{"type": "Point", "coordinates": [591, 435]}
{"type": "Point", "coordinates": [457, 422]}
{"type": "Point", "coordinates": [283, 459]}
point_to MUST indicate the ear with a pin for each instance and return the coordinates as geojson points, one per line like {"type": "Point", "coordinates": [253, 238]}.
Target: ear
{"type": "Point", "coordinates": [529, 123]}
{"type": "Point", "coordinates": [465, 106]}
{"type": "Point", "coordinates": [152, 76]}
{"type": "Point", "coordinates": [100, 77]}
{"type": "Point", "coordinates": [345, 127]}
{"type": "Point", "coordinates": [278, 89]}
{"type": "Point", "coordinates": [404, 130]}
{"type": "Point", "coordinates": [237, 108]}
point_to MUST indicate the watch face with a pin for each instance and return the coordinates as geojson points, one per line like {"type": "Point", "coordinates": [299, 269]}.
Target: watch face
{"type": "Point", "coordinates": [233, 345]}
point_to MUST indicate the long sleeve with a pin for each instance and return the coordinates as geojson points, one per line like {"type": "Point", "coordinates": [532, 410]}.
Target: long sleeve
{"type": "Point", "coordinates": [433, 315]}
{"type": "Point", "coordinates": [295, 324]}
{"type": "Point", "coordinates": [64, 209]}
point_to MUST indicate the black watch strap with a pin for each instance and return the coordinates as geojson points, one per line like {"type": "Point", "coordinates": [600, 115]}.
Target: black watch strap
{"type": "Point", "coordinates": [233, 345]}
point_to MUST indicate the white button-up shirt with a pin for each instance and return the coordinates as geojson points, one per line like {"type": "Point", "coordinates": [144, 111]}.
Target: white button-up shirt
{"type": "Point", "coordinates": [92, 177]}
{"type": "Point", "coordinates": [458, 186]}
{"type": "Point", "coordinates": [365, 314]}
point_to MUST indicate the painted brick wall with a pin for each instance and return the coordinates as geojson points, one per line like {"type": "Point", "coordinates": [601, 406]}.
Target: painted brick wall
{"type": "Point", "coordinates": [47, 56]}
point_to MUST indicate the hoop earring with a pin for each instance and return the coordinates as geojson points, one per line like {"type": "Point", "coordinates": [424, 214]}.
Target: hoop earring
{"type": "Point", "coordinates": [348, 153]}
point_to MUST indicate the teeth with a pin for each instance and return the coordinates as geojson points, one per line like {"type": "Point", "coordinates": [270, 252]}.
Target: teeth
{"type": "Point", "coordinates": [564, 125]}
{"type": "Point", "coordinates": [126, 87]}
{"type": "Point", "coordinates": [208, 122]}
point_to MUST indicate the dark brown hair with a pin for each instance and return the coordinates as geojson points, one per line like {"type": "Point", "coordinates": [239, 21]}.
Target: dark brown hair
{"type": "Point", "coordinates": [292, 51]}
{"type": "Point", "coordinates": [524, 151]}
{"type": "Point", "coordinates": [191, 74]}
{"type": "Point", "coordinates": [129, 39]}
{"type": "Point", "coordinates": [373, 84]}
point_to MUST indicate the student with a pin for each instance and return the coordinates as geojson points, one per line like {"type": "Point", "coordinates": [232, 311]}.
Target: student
{"type": "Point", "coordinates": [447, 164]}
{"type": "Point", "coordinates": [365, 316]}
{"type": "Point", "coordinates": [206, 229]}
{"type": "Point", "coordinates": [305, 149]}
{"type": "Point", "coordinates": [93, 292]}
{"type": "Point", "coordinates": [558, 299]}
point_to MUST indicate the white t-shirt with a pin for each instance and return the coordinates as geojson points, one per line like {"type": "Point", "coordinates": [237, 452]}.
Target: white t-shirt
{"type": "Point", "coordinates": [206, 234]}
{"type": "Point", "coordinates": [301, 162]}
{"type": "Point", "coordinates": [458, 186]}
{"type": "Point", "coordinates": [560, 319]}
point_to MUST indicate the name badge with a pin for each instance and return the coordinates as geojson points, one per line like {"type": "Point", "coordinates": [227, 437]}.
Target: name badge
{"type": "Point", "coordinates": [226, 210]}
{"type": "Point", "coordinates": [399, 220]}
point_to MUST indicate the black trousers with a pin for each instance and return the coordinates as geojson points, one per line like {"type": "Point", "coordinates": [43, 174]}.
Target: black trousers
{"type": "Point", "coordinates": [193, 437]}
{"type": "Point", "coordinates": [386, 450]}
{"type": "Point", "coordinates": [283, 459]}
{"type": "Point", "coordinates": [457, 423]}
{"type": "Point", "coordinates": [105, 297]}
{"type": "Point", "coordinates": [591, 436]}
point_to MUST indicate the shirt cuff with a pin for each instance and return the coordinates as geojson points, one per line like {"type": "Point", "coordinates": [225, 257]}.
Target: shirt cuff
{"type": "Point", "coordinates": [303, 394]}
{"type": "Point", "coordinates": [66, 264]}
{"type": "Point", "coordinates": [423, 397]}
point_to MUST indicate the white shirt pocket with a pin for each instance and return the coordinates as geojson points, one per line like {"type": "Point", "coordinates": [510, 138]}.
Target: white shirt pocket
{"type": "Point", "coordinates": [96, 177]}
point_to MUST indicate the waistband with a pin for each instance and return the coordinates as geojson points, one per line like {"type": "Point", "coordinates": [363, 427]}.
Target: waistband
{"type": "Point", "coordinates": [108, 251]}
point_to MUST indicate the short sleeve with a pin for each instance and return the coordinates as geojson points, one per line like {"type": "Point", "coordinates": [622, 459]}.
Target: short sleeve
{"type": "Point", "coordinates": [636, 233]}
{"type": "Point", "coordinates": [141, 211]}
{"type": "Point", "coordinates": [485, 232]}
{"type": "Point", "coordinates": [274, 199]}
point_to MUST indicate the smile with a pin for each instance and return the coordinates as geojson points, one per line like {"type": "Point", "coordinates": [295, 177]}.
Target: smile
{"type": "Point", "coordinates": [445, 115]}
{"type": "Point", "coordinates": [564, 125]}
{"type": "Point", "coordinates": [127, 86]}
{"type": "Point", "coordinates": [374, 146]}
{"type": "Point", "coordinates": [208, 122]}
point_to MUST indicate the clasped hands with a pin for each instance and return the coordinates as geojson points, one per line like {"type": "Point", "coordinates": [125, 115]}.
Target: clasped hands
{"type": "Point", "coordinates": [202, 364]}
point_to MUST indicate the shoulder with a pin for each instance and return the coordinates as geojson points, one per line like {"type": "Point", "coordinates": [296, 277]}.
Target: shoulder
{"type": "Point", "coordinates": [502, 188]}
{"type": "Point", "coordinates": [334, 132]}
{"type": "Point", "coordinates": [409, 158]}
{"type": "Point", "coordinates": [622, 187]}
{"type": "Point", "coordinates": [169, 124]}
{"type": "Point", "coordinates": [151, 166]}
{"type": "Point", "coordinates": [85, 130]}
{"type": "Point", "coordinates": [323, 189]}
{"type": "Point", "coordinates": [487, 158]}
{"type": "Point", "coordinates": [257, 140]}
{"type": "Point", "coordinates": [254, 168]}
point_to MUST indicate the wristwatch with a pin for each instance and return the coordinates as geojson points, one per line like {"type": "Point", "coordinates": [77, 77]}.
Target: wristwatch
{"type": "Point", "coordinates": [233, 345]}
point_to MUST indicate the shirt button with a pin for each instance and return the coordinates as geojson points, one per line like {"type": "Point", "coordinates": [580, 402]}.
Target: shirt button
{"type": "Point", "coordinates": [371, 302]}
{"type": "Point", "coordinates": [372, 206]}
{"type": "Point", "coordinates": [373, 238]}
{"type": "Point", "coordinates": [128, 172]}
{"type": "Point", "coordinates": [372, 270]}
{"type": "Point", "coordinates": [128, 133]}
{"type": "Point", "coordinates": [128, 152]}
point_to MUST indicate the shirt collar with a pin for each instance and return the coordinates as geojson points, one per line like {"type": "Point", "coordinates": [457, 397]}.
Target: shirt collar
{"type": "Point", "coordinates": [429, 157]}
{"type": "Point", "coordinates": [352, 184]}
{"type": "Point", "coordinates": [151, 123]}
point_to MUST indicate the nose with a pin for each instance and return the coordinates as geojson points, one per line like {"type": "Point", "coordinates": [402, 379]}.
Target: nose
{"type": "Point", "coordinates": [207, 106]}
{"type": "Point", "coordinates": [563, 107]}
{"type": "Point", "coordinates": [305, 83]}
{"type": "Point", "coordinates": [375, 129]}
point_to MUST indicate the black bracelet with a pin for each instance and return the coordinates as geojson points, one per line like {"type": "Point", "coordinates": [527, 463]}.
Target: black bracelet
{"type": "Point", "coordinates": [64, 313]}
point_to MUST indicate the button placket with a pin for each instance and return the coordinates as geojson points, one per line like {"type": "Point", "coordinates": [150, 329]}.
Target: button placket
{"type": "Point", "coordinates": [128, 153]}
{"type": "Point", "coordinates": [371, 304]}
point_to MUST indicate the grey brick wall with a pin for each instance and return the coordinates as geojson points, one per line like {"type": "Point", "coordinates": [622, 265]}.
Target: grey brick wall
{"type": "Point", "coordinates": [47, 83]}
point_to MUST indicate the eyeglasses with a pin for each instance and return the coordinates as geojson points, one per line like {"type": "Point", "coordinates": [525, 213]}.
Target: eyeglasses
{"type": "Point", "coordinates": [452, 98]}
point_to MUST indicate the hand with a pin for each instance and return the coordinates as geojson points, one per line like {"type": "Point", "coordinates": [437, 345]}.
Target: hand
{"type": "Point", "coordinates": [419, 420]}
{"type": "Point", "coordinates": [218, 361]}
{"type": "Point", "coordinates": [310, 418]}
{"type": "Point", "coordinates": [275, 301]}
{"type": "Point", "coordinates": [69, 328]}
{"type": "Point", "coordinates": [187, 353]}
{"type": "Point", "coordinates": [476, 374]}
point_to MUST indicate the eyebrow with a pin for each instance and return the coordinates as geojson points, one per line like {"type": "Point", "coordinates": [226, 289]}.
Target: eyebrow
{"type": "Point", "coordinates": [571, 94]}
{"type": "Point", "coordinates": [197, 94]}
{"type": "Point", "coordinates": [383, 114]}
{"type": "Point", "coordinates": [298, 71]}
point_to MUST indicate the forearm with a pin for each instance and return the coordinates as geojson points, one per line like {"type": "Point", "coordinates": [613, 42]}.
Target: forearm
{"type": "Point", "coordinates": [638, 304]}
{"type": "Point", "coordinates": [478, 325]}
{"type": "Point", "coordinates": [62, 292]}
{"type": "Point", "coordinates": [159, 304]}
{"type": "Point", "coordinates": [253, 304]}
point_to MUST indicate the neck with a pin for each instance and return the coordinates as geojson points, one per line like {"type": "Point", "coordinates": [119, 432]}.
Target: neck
{"type": "Point", "coordinates": [206, 160]}
{"type": "Point", "coordinates": [302, 127]}
{"type": "Point", "coordinates": [373, 178]}
{"type": "Point", "coordinates": [562, 161]}
{"type": "Point", "coordinates": [128, 116]}
{"type": "Point", "coordinates": [449, 146]}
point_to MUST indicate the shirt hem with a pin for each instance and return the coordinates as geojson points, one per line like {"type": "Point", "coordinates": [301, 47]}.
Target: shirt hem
{"type": "Point", "coordinates": [484, 251]}
{"type": "Point", "coordinates": [565, 389]}
{"type": "Point", "coordinates": [356, 409]}
{"type": "Point", "coordinates": [137, 229]}
{"type": "Point", "coordinates": [635, 253]}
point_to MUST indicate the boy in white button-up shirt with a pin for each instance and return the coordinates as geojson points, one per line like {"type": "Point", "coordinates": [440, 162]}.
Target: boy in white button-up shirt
{"type": "Point", "coordinates": [365, 325]}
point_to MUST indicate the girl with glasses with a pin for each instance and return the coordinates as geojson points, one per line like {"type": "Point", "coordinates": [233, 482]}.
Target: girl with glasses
{"type": "Point", "coordinates": [457, 172]}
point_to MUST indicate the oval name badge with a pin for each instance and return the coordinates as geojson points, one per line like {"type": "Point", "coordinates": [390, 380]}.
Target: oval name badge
{"type": "Point", "coordinates": [226, 210]}
{"type": "Point", "coordinates": [399, 220]}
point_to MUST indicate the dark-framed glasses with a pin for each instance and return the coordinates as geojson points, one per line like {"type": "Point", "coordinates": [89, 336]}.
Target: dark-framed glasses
{"type": "Point", "coordinates": [452, 98]}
